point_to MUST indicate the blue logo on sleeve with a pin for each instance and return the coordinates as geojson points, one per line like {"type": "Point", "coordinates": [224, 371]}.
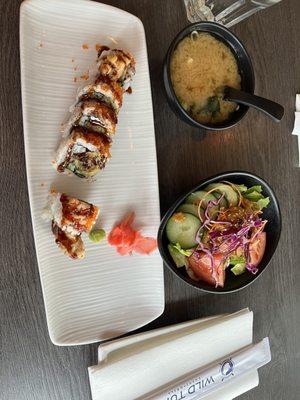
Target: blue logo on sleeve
{"type": "Point", "coordinates": [226, 369]}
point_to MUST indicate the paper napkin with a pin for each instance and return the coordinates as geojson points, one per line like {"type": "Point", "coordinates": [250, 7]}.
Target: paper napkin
{"type": "Point", "coordinates": [131, 367]}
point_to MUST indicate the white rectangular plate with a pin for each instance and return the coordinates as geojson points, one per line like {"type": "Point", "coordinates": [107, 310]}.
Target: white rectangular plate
{"type": "Point", "coordinates": [104, 295]}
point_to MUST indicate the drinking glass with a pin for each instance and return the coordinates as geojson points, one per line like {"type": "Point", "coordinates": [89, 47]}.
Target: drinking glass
{"type": "Point", "coordinates": [225, 12]}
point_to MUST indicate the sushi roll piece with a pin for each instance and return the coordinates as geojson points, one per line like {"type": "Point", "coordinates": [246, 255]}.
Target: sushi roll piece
{"type": "Point", "coordinates": [105, 90]}
{"type": "Point", "coordinates": [70, 217]}
{"type": "Point", "coordinates": [83, 153]}
{"type": "Point", "coordinates": [72, 246]}
{"type": "Point", "coordinates": [96, 116]}
{"type": "Point", "coordinates": [118, 66]}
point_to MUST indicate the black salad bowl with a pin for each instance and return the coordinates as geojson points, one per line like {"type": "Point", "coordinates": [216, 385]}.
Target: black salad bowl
{"type": "Point", "coordinates": [273, 230]}
{"type": "Point", "coordinates": [244, 66]}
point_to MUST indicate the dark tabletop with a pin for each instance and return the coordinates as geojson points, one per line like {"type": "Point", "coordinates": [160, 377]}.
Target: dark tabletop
{"type": "Point", "coordinates": [31, 367]}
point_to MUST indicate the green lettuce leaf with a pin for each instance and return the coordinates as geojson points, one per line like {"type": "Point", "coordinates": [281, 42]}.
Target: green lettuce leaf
{"type": "Point", "coordinates": [186, 253]}
{"type": "Point", "coordinates": [255, 188]}
{"type": "Point", "coordinates": [262, 203]}
{"type": "Point", "coordinates": [234, 260]}
{"type": "Point", "coordinates": [255, 195]}
{"type": "Point", "coordinates": [242, 188]}
{"type": "Point", "coordinates": [238, 269]}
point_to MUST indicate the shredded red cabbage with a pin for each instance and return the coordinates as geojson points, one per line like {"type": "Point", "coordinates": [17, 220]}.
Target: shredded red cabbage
{"type": "Point", "coordinates": [227, 240]}
{"type": "Point", "coordinates": [208, 220]}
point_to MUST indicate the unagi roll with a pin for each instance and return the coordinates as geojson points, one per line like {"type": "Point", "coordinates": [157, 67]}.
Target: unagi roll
{"type": "Point", "coordinates": [87, 135]}
{"type": "Point", "coordinates": [83, 153]}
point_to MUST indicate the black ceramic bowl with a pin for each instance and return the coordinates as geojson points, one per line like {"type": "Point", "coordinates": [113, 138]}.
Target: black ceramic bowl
{"type": "Point", "coordinates": [273, 230]}
{"type": "Point", "coordinates": [244, 65]}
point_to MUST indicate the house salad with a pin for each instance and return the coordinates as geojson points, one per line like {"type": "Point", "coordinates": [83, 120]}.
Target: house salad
{"type": "Point", "coordinates": [219, 230]}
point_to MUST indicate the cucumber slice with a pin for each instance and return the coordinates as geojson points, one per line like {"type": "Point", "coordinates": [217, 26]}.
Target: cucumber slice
{"type": "Point", "coordinates": [182, 228]}
{"type": "Point", "coordinates": [179, 259]}
{"type": "Point", "coordinates": [191, 209]}
{"type": "Point", "coordinates": [223, 203]}
{"type": "Point", "coordinates": [205, 197]}
{"type": "Point", "coordinates": [238, 269]}
{"type": "Point", "coordinates": [196, 197]}
{"type": "Point", "coordinates": [230, 194]}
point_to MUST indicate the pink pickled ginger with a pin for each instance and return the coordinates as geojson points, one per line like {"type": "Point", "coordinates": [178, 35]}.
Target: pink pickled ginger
{"type": "Point", "coordinates": [127, 240]}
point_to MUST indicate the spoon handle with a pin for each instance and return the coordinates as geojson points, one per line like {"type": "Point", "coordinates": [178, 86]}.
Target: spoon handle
{"type": "Point", "coordinates": [273, 110]}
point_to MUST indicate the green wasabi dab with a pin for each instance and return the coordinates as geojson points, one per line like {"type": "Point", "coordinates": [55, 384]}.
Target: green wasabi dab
{"type": "Point", "coordinates": [97, 235]}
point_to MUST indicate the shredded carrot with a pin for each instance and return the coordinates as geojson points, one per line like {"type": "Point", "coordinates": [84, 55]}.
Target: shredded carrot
{"type": "Point", "coordinates": [199, 213]}
{"type": "Point", "coordinates": [234, 187]}
{"type": "Point", "coordinates": [201, 201]}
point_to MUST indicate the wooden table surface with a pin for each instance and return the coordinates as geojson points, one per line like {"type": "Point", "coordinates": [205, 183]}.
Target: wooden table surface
{"type": "Point", "coordinates": [31, 367]}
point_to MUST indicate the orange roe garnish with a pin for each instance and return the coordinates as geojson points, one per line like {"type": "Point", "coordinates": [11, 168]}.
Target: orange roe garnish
{"type": "Point", "coordinates": [85, 77]}
{"type": "Point", "coordinates": [179, 217]}
{"type": "Point", "coordinates": [85, 46]}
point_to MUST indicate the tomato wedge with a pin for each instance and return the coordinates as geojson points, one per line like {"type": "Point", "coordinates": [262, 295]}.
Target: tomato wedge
{"type": "Point", "coordinates": [200, 264]}
{"type": "Point", "coordinates": [257, 248]}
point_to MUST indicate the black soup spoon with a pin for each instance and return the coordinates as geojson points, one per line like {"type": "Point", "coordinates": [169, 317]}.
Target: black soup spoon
{"type": "Point", "coordinates": [273, 110]}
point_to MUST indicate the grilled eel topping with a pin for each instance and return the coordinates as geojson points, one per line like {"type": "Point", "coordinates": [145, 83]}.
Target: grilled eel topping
{"type": "Point", "coordinates": [72, 246]}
